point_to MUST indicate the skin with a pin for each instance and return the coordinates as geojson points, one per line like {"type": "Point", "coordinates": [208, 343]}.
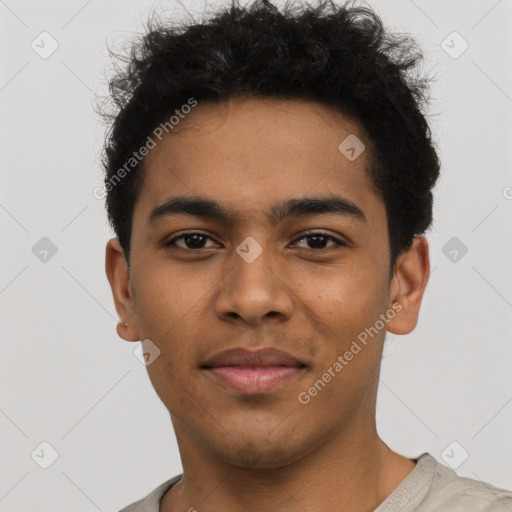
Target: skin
{"type": "Point", "coordinates": [267, 452]}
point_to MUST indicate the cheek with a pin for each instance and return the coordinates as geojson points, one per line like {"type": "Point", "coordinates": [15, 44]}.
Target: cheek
{"type": "Point", "coordinates": [164, 297]}
{"type": "Point", "coordinates": [176, 390]}
{"type": "Point", "coordinates": [171, 307]}
{"type": "Point", "coordinates": [348, 309]}
{"type": "Point", "coordinates": [345, 301]}
{"type": "Point", "coordinates": [349, 352]}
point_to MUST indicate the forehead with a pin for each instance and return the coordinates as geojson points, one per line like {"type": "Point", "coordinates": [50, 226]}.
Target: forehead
{"type": "Point", "coordinates": [251, 154]}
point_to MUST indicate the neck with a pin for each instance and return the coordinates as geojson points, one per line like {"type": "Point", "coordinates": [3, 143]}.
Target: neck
{"type": "Point", "coordinates": [353, 471]}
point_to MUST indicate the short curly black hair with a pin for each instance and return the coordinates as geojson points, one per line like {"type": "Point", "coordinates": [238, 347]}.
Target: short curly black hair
{"type": "Point", "coordinates": [340, 56]}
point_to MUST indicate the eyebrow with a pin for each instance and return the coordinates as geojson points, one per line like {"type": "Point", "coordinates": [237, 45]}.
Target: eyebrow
{"type": "Point", "coordinates": [292, 208]}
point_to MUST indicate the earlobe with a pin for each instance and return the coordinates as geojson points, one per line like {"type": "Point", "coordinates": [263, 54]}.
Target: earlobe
{"type": "Point", "coordinates": [119, 278]}
{"type": "Point", "coordinates": [127, 333]}
{"type": "Point", "coordinates": [408, 286]}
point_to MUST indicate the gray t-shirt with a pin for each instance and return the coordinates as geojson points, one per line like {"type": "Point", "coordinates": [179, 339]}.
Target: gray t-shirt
{"type": "Point", "coordinates": [430, 487]}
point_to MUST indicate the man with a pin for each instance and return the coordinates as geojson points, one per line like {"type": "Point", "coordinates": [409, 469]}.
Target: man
{"type": "Point", "coordinates": [269, 179]}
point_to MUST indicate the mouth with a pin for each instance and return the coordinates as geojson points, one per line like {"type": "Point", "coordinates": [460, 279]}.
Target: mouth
{"type": "Point", "coordinates": [253, 372]}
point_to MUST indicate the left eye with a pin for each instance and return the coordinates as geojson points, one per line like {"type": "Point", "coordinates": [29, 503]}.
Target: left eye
{"type": "Point", "coordinates": [319, 240]}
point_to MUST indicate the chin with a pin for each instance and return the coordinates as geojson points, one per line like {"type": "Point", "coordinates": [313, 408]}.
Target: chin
{"type": "Point", "coordinates": [253, 456]}
{"type": "Point", "coordinates": [261, 453]}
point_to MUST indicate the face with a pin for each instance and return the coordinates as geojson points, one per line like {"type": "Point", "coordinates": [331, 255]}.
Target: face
{"type": "Point", "coordinates": [303, 280]}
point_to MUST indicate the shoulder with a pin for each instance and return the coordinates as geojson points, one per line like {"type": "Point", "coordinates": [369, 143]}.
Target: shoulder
{"type": "Point", "coordinates": [452, 492]}
{"type": "Point", "coordinates": [151, 502]}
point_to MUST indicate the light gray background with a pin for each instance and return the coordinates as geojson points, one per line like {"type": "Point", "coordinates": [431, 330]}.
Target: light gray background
{"type": "Point", "coordinates": [67, 379]}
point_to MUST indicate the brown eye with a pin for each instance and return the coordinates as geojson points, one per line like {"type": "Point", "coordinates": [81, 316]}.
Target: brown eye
{"type": "Point", "coordinates": [192, 240]}
{"type": "Point", "coordinates": [318, 240]}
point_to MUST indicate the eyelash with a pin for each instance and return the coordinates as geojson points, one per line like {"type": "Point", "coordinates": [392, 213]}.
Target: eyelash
{"type": "Point", "coordinates": [339, 243]}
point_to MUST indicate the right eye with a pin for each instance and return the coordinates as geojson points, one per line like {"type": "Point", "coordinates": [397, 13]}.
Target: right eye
{"type": "Point", "coordinates": [194, 239]}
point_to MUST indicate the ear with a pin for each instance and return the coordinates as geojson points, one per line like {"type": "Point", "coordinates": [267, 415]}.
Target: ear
{"type": "Point", "coordinates": [118, 275]}
{"type": "Point", "coordinates": [407, 286]}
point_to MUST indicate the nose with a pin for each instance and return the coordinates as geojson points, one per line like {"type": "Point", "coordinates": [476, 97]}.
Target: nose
{"type": "Point", "coordinates": [254, 291]}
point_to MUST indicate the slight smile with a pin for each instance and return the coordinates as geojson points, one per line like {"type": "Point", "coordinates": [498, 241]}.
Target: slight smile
{"type": "Point", "coordinates": [253, 372]}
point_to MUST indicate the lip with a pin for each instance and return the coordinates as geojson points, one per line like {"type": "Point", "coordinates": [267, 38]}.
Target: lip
{"type": "Point", "coordinates": [244, 357]}
{"type": "Point", "coordinates": [253, 372]}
